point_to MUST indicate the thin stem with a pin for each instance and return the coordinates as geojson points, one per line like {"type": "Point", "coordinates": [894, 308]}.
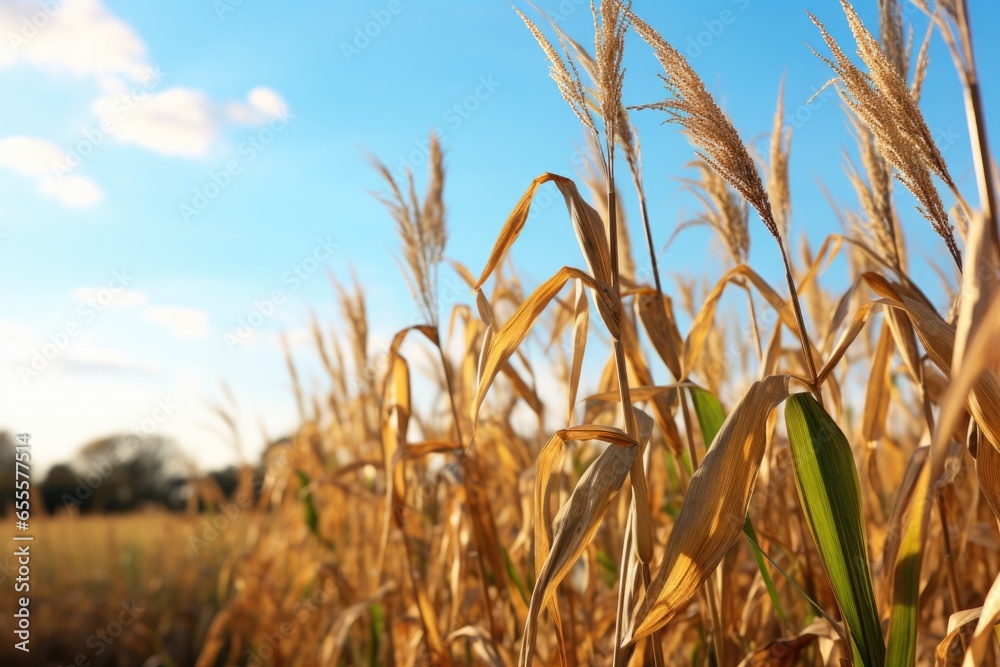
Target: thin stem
{"type": "Point", "coordinates": [657, 646]}
{"type": "Point", "coordinates": [713, 606]}
{"type": "Point", "coordinates": [890, 221]}
{"type": "Point", "coordinates": [613, 223]}
{"type": "Point", "coordinates": [467, 462]}
{"type": "Point", "coordinates": [686, 414]}
{"type": "Point", "coordinates": [753, 321]}
{"type": "Point", "coordinates": [623, 385]}
{"type": "Point", "coordinates": [451, 394]}
{"type": "Point", "coordinates": [977, 127]}
{"type": "Point", "coordinates": [631, 428]}
{"type": "Point", "coordinates": [799, 321]}
{"type": "Point", "coordinates": [965, 65]}
{"type": "Point", "coordinates": [640, 192]}
{"type": "Point", "coordinates": [950, 563]}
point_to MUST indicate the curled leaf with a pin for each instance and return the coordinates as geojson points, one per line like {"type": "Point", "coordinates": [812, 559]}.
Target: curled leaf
{"type": "Point", "coordinates": [714, 509]}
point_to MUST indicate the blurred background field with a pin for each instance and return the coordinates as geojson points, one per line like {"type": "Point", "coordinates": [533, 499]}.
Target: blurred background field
{"type": "Point", "coordinates": [86, 571]}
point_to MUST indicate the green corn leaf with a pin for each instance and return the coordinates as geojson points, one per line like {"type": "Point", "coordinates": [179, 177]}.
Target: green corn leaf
{"type": "Point", "coordinates": [378, 627]}
{"type": "Point", "coordinates": [758, 556]}
{"type": "Point", "coordinates": [830, 493]}
{"type": "Point", "coordinates": [609, 569]}
{"type": "Point", "coordinates": [515, 576]}
{"type": "Point", "coordinates": [311, 516]}
{"type": "Point", "coordinates": [709, 412]}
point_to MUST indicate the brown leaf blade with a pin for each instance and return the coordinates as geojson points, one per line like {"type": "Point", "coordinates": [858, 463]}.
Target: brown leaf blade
{"type": "Point", "coordinates": [578, 520]}
{"type": "Point", "coordinates": [510, 336]}
{"type": "Point", "coordinates": [714, 509]}
{"type": "Point", "coordinates": [877, 394]}
{"type": "Point", "coordinates": [974, 387]}
{"type": "Point", "coordinates": [586, 224]}
{"type": "Point", "coordinates": [988, 617]}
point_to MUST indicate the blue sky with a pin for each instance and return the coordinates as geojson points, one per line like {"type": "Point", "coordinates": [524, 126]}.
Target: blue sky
{"type": "Point", "coordinates": [223, 161]}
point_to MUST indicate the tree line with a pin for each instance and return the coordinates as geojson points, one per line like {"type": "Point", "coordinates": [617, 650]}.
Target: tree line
{"type": "Point", "coordinates": [116, 474]}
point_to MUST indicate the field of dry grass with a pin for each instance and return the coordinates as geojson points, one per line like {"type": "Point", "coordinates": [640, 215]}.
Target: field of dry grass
{"type": "Point", "coordinates": [833, 502]}
{"type": "Point", "coordinates": [120, 590]}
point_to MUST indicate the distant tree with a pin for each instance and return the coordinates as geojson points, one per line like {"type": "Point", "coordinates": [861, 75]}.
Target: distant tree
{"type": "Point", "coordinates": [119, 473]}
{"type": "Point", "coordinates": [227, 478]}
{"type": "Point", "coordinates": [61, 481]}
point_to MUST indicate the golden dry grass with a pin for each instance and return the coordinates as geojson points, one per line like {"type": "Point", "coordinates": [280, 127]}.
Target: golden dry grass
{"type": "Point", "coordinates": [852, 522]}
{"type": "Point", "coordinates": [84, 569]}
{"type": "Point", "coordinates": [463, 536]}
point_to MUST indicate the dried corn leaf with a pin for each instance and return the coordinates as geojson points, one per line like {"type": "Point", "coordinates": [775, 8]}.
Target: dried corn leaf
{"type": "Point", "coordinates": [847, 338]}
{"type": "Point", "coordinates": [577, 521]}
{"type": "Point", "coordinates": [705, 319]}
{"type": "Point", "coordinates": [639, 393]}
{"type": "Point", "coordinates": [662, 330]}
{"type": "Point", "coordinates": [521, 388]}
{"type": "Point", "coordinates": [988, 472]}
{"type": "Point", "coordinates": [714, 508]}
{"type": "Point", "coordinates": [956, 622]}
{"type": "Point", "coordinates": [581, 324]}
{"type": "Point", "coordinates": [586, 224]}
{"type": "Point", "coordinates": [974, 387]}
{"type": "Point", "coordinates": [711, 416]}
{"type": "Point", "coordinates": [510, 336]}
{"type": "Point", "coordinates": [981, 638]}
{"type": "Point", "coordinates": [975, 374]}
{"type": "Point", "coordinates": [979, 284]}
{"type": "Point", "coordinates": [334, 642]}
{"type": "Point", "coordinates": [877, 394]}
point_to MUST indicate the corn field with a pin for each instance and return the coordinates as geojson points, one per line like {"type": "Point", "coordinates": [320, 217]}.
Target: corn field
{"type": "Point", "coordinates": [829, 497]}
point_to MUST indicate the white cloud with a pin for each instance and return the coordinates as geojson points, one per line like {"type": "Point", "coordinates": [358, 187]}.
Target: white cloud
{"type": "Point", "coordinates": [112, 299]}
{"type": "Point", "coordinates": [267, 101]}
{"type": "Point", "coordinates": [27, 155]}
{"type": "Point", "coordinates": [177, 121]}
{"type": "Point", "coordinates": [262, 104]}
{"type": "Point", "coordinates": [182, 121]}
{"type": "Point", "coordinates": [84, 38]}
{"type": "Point", "coordinates": [72, 191]}
{"type": "Point", "coordinates": [18, 345]}
{"type": "Point", "coordinates": [105, 359]}
{"type": "Point", "coordinates": [71, 36]}
{"type": "Point", "coordinates": [37, 158]}
{"type": "Point", "coordinates": [15, 340]}
{"type": "Point", "coordinates": [182, 322]}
